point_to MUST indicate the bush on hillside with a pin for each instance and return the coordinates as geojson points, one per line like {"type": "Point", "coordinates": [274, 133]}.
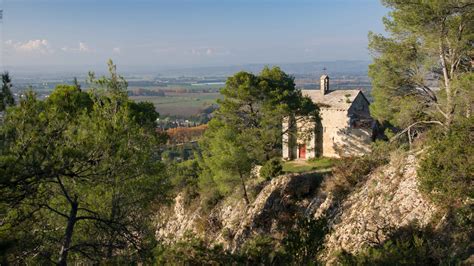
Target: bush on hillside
{"type": "Point", "coordinates": [305, 240]}
{"type": "Point", "coordinates": [271, 169]}
{"type": "Point", "coordinates": [411, 245]}
{"type": "Point", "coordinates": [260, 250]}
{"type": "Point", "coordinates": [348, 172]}
{"type": "Point", "coordinates": [185, 179]}
{"type": "Point", "coordinates": [405, 250]}
{"type": "Point", "coordinates": [446, 171]}
{"type": "Point", "coordinates": [209, 193]}
{"type": "Point", "coordinates": [210, 199]}
{"type": "Point", "coordinates": [192, 250]}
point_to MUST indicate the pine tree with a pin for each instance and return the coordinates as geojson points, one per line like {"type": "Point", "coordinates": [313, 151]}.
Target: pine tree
{"type": "Point", "coordinates": [428, 40]}
{"type": "Point", "coordinates": [6, 96]}
{"type": "Point", "coordinates": [78, 177]}
{"type": "Point", "coordinates": [247, 128]}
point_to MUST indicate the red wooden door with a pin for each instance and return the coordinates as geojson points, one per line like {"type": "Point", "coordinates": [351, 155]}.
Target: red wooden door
{"type": "Point", "coordinates": [302, 151]}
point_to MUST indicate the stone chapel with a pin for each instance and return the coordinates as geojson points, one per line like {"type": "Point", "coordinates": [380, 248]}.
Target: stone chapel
{"type": "Point", "coordinates": [345, 129]}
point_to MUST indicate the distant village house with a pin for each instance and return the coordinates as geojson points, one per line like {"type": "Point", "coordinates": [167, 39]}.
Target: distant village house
{"type": "Point", "coordinates": [345, 129]}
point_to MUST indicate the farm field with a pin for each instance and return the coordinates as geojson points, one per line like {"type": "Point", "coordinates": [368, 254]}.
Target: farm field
{"type": "Point", "coordinates": [178, 86]}
{"type": "Point", "coordinates": [180, 104]}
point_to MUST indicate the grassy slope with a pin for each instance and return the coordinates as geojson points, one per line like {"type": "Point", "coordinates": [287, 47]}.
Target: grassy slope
{"type": "Point", "coordinates": [309, 165]}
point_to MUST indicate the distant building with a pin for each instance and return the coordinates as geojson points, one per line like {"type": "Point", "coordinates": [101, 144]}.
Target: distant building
{"type": "Point", "coordinates": [345, 128]}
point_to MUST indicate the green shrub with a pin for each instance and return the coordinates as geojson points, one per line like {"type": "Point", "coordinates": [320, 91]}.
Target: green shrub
{"type": "Point", "coordinates": [192, 250]}
{"type": "Point", "coordinates": [305, 240]}
{"type": "Point", "coordinates": [259, 250]}
{"type": "Point", "coordinates": [446, 171]}
{"type": "Point", "coordinates": [300, 246]}
{"type": "Point", "coordinates": [184, 178]}
{"type": "Point", "coordinates": [271, 169]}
{"type": "Point", "coordinates": [381, 150]}
{"type": "Point", "coordinates": [347, 173]}
{"type": "Point", "coordinates": [210, 200]}
{"type": "Point", "coordinates": [209, 193]}
{"type": "Point", "coordinates": [406, 246]}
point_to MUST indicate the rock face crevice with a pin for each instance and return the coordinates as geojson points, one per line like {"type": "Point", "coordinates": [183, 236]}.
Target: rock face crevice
{"type": "Point", "coordinates": [276, 206]}
{"type": "Point", "coordinates": [231, 222]}
{"type": "Point", "coordinates": [387, 200]}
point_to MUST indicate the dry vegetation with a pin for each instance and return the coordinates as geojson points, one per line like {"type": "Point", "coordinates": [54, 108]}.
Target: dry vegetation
{"type": "Point", "coordinates": [181, 135]}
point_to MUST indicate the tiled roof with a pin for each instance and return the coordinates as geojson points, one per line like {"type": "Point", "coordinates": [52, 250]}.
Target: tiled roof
{"type": "Point", "coordinates": [335, 99]}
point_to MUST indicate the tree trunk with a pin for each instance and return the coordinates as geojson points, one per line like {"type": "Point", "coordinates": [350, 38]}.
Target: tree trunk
{"type": "Point", "coordinates": [111, 240]}
{"type": "Point", "coordinates": [68, 234]}
{"type": "Point", "coordinates": [447, 85]}
{"type": "Point", "coordinates": [246, 197]}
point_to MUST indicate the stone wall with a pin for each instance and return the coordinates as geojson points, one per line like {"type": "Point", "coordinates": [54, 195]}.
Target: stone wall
{"type": "Point", "coordinates": [333, 121]}
{"type": "Point", "coordinates": [339, 137]}
{"type": "Point", "coordinates": [305, 133]}
{"type": "Point", "coordinates": [286, 143]}
{"type": "Point", "coordinates": [335, 136]}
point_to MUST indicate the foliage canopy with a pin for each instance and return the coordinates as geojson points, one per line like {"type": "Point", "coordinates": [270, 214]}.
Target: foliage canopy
{"type": "Point", "coordinates": [428, 41]}
{"type": "Point", "coordinates": [247, 128]}
{"type": "Point", "coordinates": [79, 174]}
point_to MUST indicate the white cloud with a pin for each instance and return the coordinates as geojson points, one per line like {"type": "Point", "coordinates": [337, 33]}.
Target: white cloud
{"type": "Point", "coordinates": [209, 51]}
{"type": "Point", "coordinates": [116, 50]}
{"type": "Point", "coordinates": [195, 51]}
{"type": "Point", "coordinates": [31, 46]}
{"type": "Point", "coordinates": [81, 48]}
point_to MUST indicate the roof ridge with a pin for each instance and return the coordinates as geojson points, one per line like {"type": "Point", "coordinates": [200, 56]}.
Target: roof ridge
{"type": "Point", "coordinates": [336, 99]}
{"type": "Point", "coordinates": [332, 90]}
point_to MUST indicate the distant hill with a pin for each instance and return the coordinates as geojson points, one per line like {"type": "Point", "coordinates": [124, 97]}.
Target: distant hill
{"type": "Point", "coordinates": [306, 69]}
{"type": "Point", "coordinates": [334, 68]}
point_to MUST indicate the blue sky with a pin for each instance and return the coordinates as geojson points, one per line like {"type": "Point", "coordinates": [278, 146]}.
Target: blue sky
{"type": "Point", "coordinates": [186, 32]}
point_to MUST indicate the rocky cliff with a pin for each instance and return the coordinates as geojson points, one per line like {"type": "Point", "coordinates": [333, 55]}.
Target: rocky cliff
{"type": "Point", "coordinates": [231, 222]}
{"type": "Point", "coordinates": [386, 200]}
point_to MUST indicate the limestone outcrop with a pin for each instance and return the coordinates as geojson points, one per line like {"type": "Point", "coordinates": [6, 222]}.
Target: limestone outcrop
{"type": "Point", "coordinates": [388, 199]}
{"type": "Point", "coordinates": [231, 223]}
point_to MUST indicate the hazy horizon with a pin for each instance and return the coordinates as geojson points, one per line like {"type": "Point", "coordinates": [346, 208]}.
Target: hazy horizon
{"type": "Point", "coordinates": [298, 68]}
